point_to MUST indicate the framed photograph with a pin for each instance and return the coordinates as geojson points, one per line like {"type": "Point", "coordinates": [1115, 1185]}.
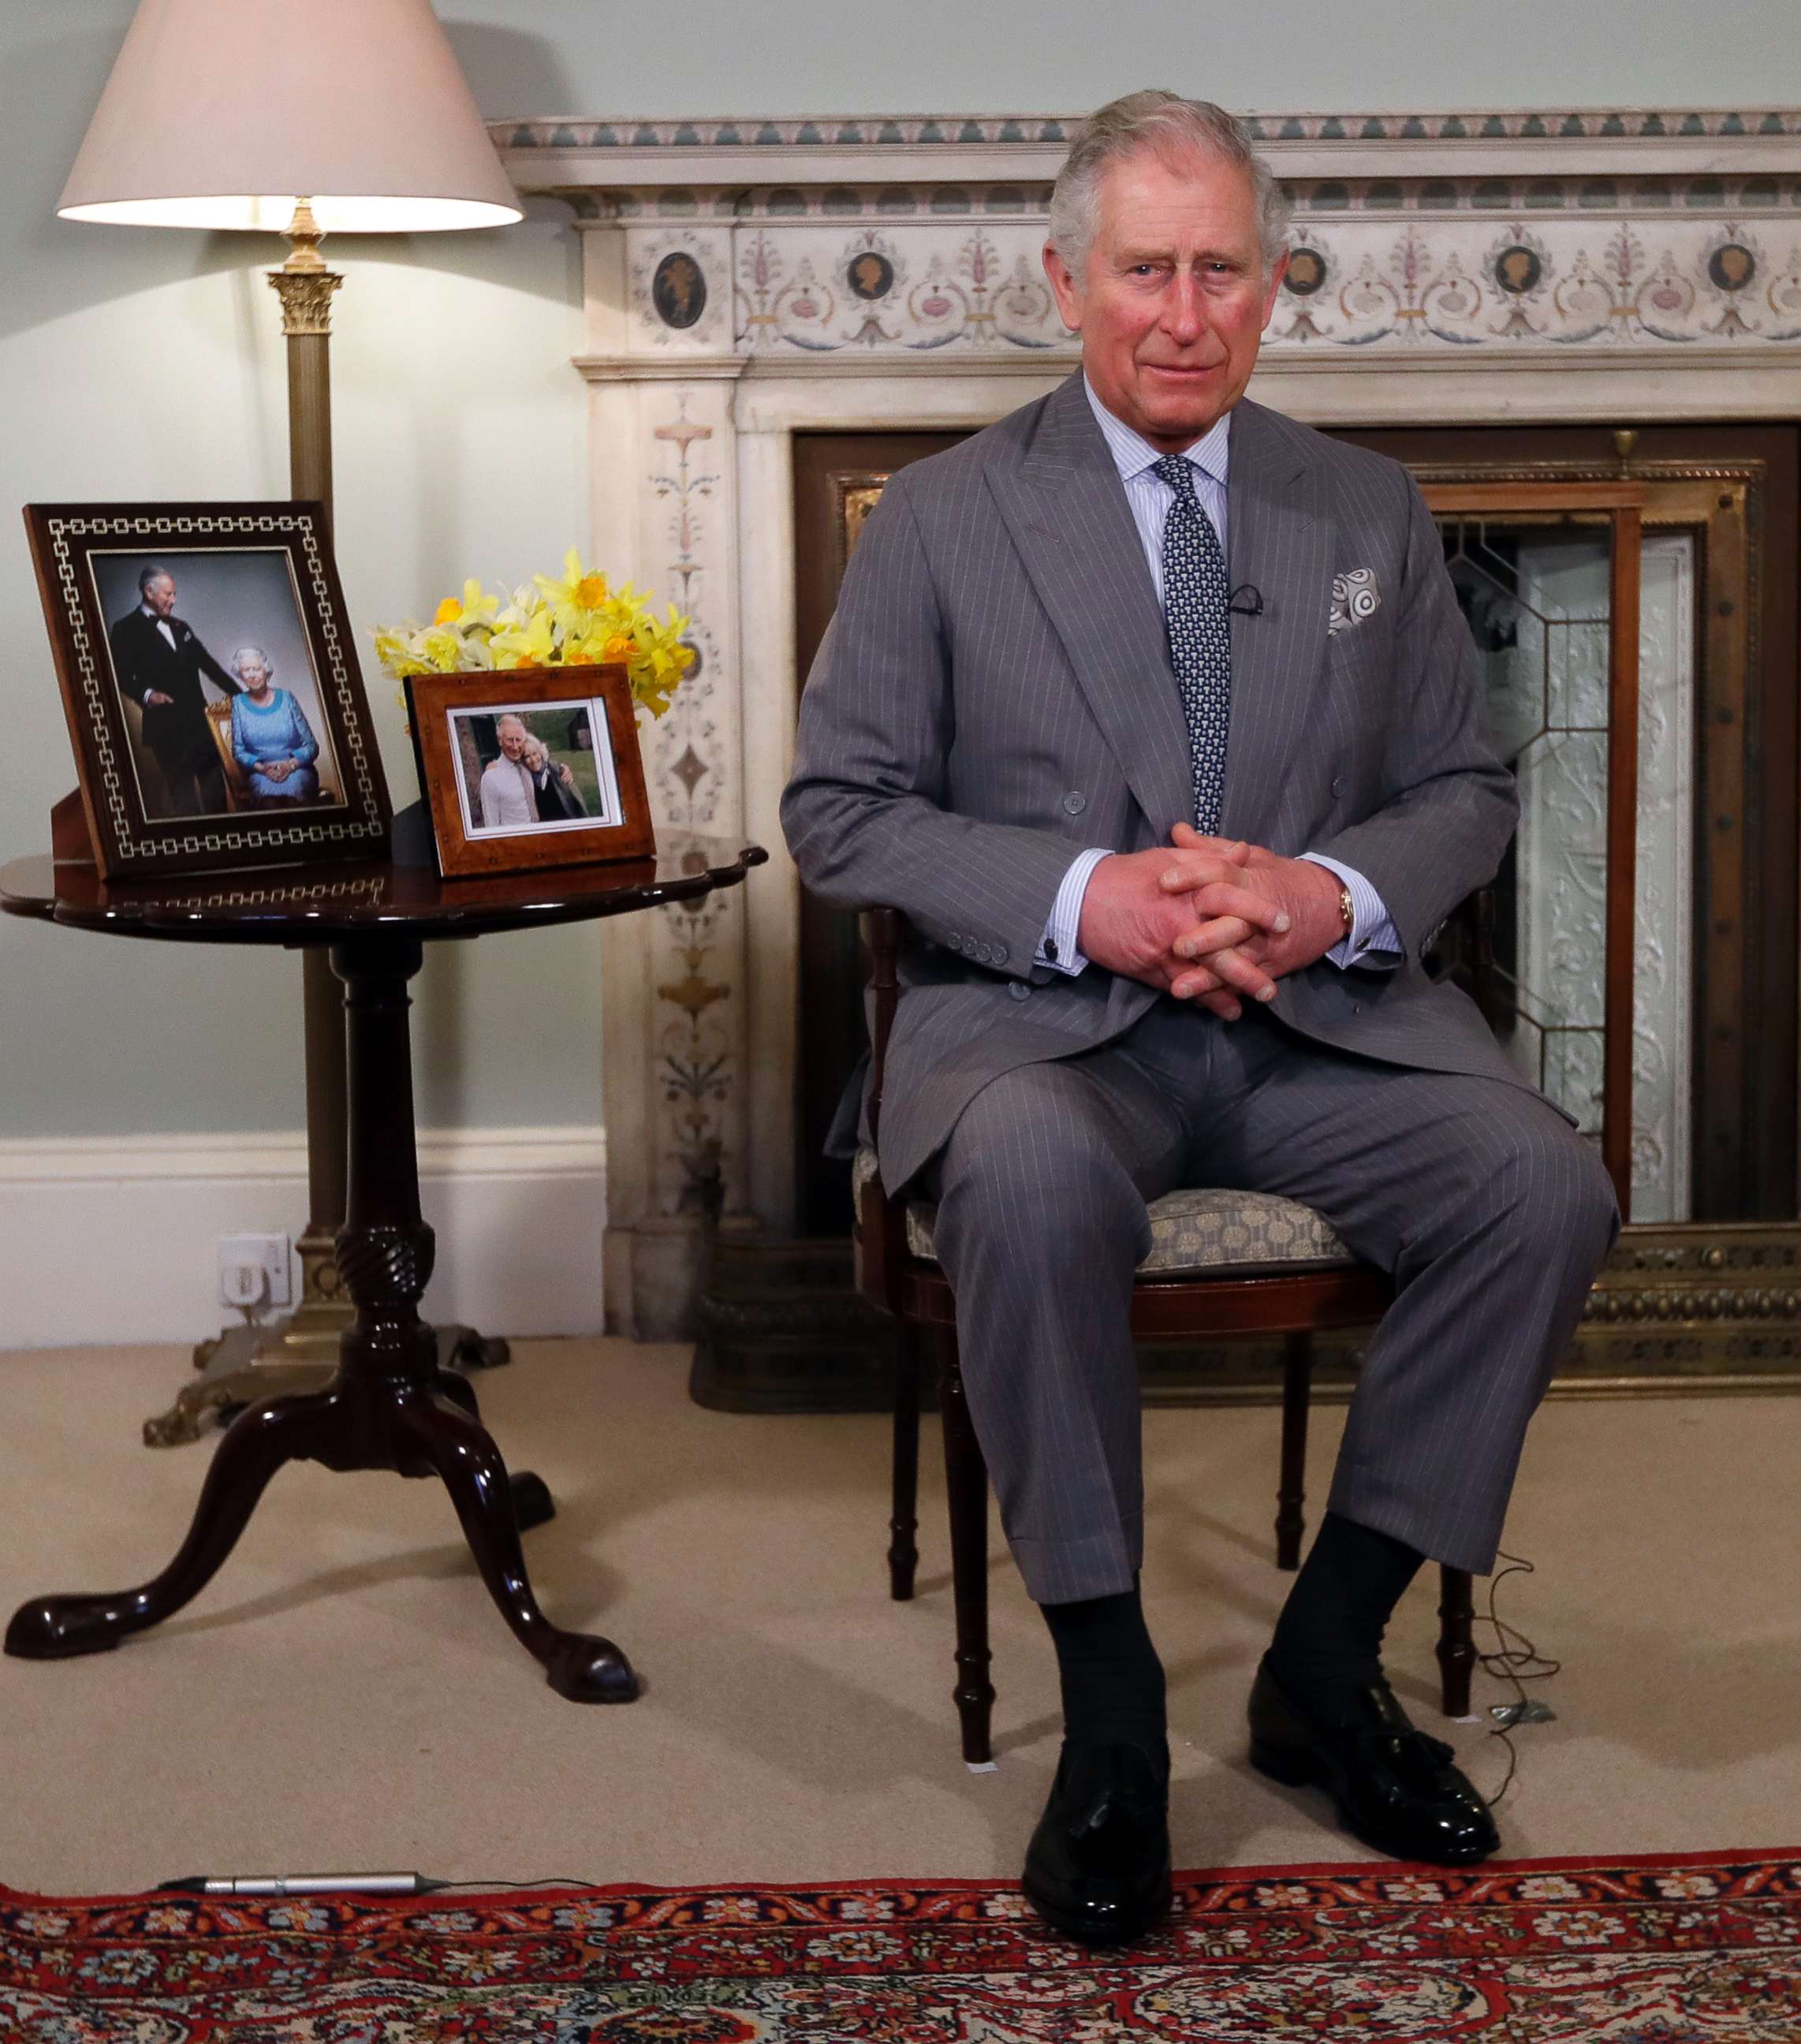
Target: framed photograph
{"type": "Point", "coordinates": [210, 680]}
{"type": "Point", "coordinates": [533, 766]}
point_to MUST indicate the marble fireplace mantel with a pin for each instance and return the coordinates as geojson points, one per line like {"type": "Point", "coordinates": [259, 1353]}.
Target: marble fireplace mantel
{"type": "Point", "coordinates": [747, 280]}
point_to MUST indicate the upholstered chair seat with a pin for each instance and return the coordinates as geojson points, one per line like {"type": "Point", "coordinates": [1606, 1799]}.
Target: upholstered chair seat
{"type": "Point", "coordinates": [1194, 1232]}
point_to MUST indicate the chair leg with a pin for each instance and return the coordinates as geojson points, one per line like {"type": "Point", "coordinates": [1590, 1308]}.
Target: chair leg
{"type": "Point", "coordinates": [1456, 1640]}
{"type": "Point", "coordinates": [1291, 1491]}
{"type": "Point", "coordinates": [965, 1475]}
{"type": "Point", "coordinates": [903, 1523]}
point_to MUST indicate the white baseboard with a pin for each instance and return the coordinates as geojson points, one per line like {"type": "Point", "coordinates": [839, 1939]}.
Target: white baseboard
{"type": "Point", "coordinates": [115, 1238]}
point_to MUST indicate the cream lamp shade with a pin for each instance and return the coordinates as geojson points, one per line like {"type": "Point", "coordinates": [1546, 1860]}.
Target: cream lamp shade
{"type": "Point", "coordinates": [222, 113]}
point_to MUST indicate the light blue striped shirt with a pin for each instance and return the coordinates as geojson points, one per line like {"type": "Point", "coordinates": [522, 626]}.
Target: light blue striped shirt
{"type": "Point", "coordinates": [1372, 938]}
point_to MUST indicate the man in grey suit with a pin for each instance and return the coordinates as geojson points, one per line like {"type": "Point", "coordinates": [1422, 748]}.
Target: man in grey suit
{"type": "Point", "coordinates": [1154, 714]}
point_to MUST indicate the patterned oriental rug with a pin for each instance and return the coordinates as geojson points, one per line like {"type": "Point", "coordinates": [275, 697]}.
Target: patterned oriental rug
{"type": "Point", "coordinates": [1653, 1951]}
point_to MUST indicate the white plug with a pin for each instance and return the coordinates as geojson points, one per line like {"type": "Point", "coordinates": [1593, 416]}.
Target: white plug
{"type": "Point", "coordinates": [242, 1284]}
{"type": "Point", "coordinates": [254, 1270]}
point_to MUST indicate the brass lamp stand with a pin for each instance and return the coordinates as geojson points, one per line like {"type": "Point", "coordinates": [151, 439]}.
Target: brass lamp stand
{"type": "Point", "coordinates": [300, 1350]}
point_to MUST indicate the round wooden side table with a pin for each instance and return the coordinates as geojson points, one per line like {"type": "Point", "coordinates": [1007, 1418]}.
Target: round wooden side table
{"type": "Point", "coordinates": [390, 1405]}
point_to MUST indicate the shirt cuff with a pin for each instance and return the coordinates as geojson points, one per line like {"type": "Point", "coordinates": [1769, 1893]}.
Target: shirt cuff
{"type": "Point", "coordinates": [1058, 948]}
{"type": "Point", "coordinates": [1372, 938]}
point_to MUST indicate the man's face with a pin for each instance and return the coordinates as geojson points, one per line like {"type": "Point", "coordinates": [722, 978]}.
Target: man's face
{"type": "Point", "coordinates": [1174, 300]}
{"type": "Point", "coordinates": [512, 736]}
{"type": "Point", "coordinates": [161, 595]}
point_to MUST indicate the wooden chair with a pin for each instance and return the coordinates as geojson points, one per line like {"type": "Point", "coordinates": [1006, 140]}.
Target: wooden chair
{"type": "Point", "coordinates": [1301, 1280]}
{"type": "Point", "coordinates": [237, 782]}
{"type": "Point", "coordinates": [238, 795]}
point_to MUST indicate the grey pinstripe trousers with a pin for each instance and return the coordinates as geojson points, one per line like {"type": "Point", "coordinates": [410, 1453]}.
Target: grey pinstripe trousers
{"type": "Point", "coordinates": [1491, 1212]}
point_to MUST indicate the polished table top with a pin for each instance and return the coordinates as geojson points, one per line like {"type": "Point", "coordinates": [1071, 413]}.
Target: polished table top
{"type": "Point", "coordinates": [319, 904]}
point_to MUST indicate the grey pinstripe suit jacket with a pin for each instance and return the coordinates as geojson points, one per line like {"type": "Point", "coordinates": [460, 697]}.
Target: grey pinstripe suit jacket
{"type": "Point", "coordinates": [995, 693]}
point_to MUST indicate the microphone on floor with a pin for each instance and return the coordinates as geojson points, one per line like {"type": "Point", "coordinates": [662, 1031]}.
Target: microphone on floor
{"type": "Point", "coordinates": [274, 1885]}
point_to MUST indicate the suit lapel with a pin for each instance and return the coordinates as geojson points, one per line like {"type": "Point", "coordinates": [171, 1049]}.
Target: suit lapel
{"type": "Point", "coordinates": [1281, 540]}
{"type": "Point", "coordinates": [1065, 508]}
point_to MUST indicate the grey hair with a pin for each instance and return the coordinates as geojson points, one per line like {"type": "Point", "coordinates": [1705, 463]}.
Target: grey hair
{"type": "Point", "coordinates": [1171, 125]}
{"type": "Point", "coordinates": [147, 576]}
{"type": "Point", "coordinates": [513, 716]}
{"type": "Point", "coordinates": [244, 652]}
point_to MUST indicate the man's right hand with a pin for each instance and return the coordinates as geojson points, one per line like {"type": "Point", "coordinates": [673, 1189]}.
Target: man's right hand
{"type": "Point", "coordinates": [1130, 923]}
{"type": "Point", "coordinates": [154, 698]}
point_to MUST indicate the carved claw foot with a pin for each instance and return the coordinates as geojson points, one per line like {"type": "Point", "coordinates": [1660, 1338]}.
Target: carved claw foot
{"type": "Point", "coordinates": [476, 1351]}
{"type": "Point", "coordinates": [589, 1670]}
{"type": "Point", "coordinates": [532, 1504]}
{"type": "Point", "coordinates": [57, 1628]}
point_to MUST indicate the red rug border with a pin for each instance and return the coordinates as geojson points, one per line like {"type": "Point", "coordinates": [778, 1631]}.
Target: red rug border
{"type": "Point", "coordinates": [893, 1884]}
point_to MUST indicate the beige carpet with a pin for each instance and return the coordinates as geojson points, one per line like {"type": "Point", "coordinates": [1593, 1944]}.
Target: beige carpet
{"type": "Point", "coordinates": [343, 1696]}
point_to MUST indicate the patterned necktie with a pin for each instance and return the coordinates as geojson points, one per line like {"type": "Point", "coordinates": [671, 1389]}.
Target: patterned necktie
{"type": "Point", "coordinates": [1195, 597]}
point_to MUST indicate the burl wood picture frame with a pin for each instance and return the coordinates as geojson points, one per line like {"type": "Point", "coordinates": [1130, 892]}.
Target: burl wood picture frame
{"type": "Point", "coordinates": [530, 767]}
{"type": "Point", "coordinates": [209, 678]}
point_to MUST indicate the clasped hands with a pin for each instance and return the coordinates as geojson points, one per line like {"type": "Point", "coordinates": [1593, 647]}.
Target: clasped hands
{"type": "Point", "coordinates": [1211, 920]}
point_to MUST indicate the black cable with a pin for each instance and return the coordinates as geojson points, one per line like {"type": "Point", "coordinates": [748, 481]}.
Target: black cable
{"type": "Point", "coordinates": [546, 1881]}
{"type": "Point", "coordinates": [1515, 1659]}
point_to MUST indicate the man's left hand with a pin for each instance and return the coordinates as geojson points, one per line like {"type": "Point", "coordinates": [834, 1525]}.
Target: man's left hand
{"type": "Point", "coordinates": [1307, 894]}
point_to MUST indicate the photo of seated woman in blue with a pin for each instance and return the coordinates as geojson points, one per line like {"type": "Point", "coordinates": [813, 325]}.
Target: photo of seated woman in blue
{"type": "Point", "coordinates": [272, 740]}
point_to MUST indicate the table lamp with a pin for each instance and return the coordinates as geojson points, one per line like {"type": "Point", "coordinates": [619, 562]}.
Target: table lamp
{"type": "Point", "coordinates": [301, 117]}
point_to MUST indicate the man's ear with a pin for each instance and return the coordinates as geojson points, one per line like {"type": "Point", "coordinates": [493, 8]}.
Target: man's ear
{"type": "Point", "coordinates": [1065, 289]}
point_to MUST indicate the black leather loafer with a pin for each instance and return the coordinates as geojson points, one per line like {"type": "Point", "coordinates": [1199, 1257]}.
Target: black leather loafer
{"type": "Point", "coordinates": [1395, 1789]}
{"type": "Point", "coordinates": [1098, 1866]}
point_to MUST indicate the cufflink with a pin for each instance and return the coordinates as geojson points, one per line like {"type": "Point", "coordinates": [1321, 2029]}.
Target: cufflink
{"type": "Point", "coordinates": [1050, 951]}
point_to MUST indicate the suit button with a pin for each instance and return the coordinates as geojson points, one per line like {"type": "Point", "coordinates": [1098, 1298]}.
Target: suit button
{"type": "Point", "coordinates": [954, 941]}
{"type": "Point", "coordinates": [985, 955]}
{"type": "Point", "coordinates": [1074, 802]}
{"type": "Point", "coordinates": [1020, 990]}
{"type": "Point", "coordinates": [1001, 955]}
{"type": "Point", "coordinates": [1338, 784]}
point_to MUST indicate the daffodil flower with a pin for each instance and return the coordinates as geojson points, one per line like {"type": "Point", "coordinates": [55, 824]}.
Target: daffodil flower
{"type": "Point", "coordinates": [534, 646]}
{"type": "Point", "coordinates": [581, 619]}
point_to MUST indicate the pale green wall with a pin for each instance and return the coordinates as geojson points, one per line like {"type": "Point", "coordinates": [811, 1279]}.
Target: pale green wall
{"type": "Point", "coordinates": [148, 364]}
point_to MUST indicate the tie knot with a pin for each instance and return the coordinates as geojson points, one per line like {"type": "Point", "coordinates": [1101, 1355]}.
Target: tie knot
{"type": "Point", "coordinates": [1178, 472]}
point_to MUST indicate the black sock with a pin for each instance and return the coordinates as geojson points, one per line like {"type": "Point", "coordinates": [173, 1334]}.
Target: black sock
{"type": "Point", "coordinates": [1328, 1642]}
{"type": "Point", "coordinates": [1112, 1680]}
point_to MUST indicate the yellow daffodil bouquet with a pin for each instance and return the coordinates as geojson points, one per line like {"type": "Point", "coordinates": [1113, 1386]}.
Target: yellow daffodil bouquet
{"type": "Point", "coordinates": [578, 621]}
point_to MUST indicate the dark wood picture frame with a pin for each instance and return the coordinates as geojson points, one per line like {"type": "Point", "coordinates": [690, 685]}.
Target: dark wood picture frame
{"type": "Point", "coordinates": [433, 700]}
{"type": "Point", "coordinates": [134, 825]}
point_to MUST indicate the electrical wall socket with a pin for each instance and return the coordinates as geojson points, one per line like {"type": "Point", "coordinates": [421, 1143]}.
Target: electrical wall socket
{"type": "Point", "coordinates": [254, 1270]}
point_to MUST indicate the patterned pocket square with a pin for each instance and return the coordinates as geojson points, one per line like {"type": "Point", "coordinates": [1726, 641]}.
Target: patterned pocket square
{"type": "Point", "coordinates": [1355, 598]}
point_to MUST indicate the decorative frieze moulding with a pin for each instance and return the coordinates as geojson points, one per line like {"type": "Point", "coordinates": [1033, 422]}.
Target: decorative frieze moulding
{"type": "Point", "coordinates": [553, 154]}
{"type": "Point", "coordinates": [799, 240]}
